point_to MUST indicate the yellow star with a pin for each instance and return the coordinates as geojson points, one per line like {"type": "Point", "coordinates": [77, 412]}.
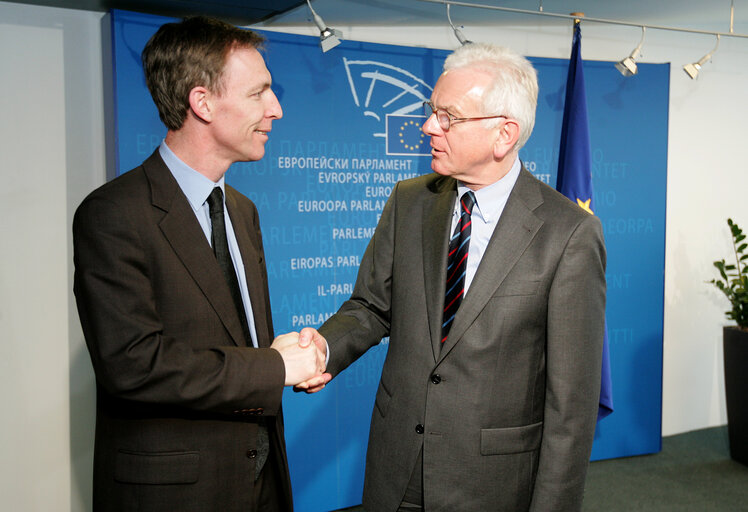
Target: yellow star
{"type": "Point", "coordinates": [585, 205]}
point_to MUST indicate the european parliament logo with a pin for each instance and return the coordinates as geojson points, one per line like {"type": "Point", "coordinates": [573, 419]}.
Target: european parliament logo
{"type": "Point", "coordinates": [405, 137]}
{"type": "Point", "coordinates": [386, 91]}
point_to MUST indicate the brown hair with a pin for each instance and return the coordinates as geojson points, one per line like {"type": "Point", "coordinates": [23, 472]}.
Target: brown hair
{"type": "Point", "coordinates": [184, 55]}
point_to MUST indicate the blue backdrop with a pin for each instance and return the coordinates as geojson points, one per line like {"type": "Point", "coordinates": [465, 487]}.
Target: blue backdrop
{"type": "Point", "coordinates": [351, 130]}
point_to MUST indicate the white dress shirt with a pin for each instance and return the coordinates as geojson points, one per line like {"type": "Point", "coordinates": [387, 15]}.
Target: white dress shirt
{"type": "Point", "coordinates": [489, 205]}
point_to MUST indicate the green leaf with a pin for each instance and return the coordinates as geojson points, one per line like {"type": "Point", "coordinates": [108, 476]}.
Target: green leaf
{"type": "Point", "coordinates": [734, 282]}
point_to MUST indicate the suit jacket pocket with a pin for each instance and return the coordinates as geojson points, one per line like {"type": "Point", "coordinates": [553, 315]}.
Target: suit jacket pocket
{"type": "Point", "coordinates": [383, 399]}
{"type": "Point", "coordinates": [157, 468]}
{"type": "Point", "coordinates": [504, 441]}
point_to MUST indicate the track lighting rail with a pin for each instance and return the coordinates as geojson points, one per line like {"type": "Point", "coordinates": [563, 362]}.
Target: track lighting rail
{"type": "Point", "coordinates": [590, 19]}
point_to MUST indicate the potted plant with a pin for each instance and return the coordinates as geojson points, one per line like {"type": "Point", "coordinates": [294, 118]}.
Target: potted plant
{"type": "Point", "coordinates": [733, 282]}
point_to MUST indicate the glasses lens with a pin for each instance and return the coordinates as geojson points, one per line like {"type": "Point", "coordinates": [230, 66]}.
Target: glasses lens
{"type": "Point", "coordinates": [443, 119]}
{"type": "Point", "coordinates": [441, 115]}
{"type": "Point", "coordinates": [427, 111]}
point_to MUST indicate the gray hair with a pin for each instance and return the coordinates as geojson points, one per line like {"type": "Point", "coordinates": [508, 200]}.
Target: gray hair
{"type": "Point", "coordinates": [514, 89]}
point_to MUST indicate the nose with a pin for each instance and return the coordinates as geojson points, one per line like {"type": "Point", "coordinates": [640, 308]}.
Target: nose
{"type": "Point", "coordinates": [431, 126]}
{"type": "Point", "coordinates": [273, 109]}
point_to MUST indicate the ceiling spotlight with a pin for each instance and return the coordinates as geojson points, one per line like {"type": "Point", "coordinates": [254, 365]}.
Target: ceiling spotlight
{"type": "Point", "coordinates": [329, 38]}
{"type": "Point", "coordinates": [627, 66]}
{"type": "Point", "coordinates": [458, 33]}
{"type": "Point", "coordinates": [692, 70]}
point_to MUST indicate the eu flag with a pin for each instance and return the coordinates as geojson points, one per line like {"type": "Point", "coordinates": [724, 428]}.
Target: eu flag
{"type": "Point", "coordinates": [574, 179]}
{"type": "Point", "coordinates": [404, 136]}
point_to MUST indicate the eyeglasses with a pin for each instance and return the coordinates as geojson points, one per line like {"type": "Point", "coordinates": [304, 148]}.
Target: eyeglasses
{"type": "Point", "coordinates": [446, 119]}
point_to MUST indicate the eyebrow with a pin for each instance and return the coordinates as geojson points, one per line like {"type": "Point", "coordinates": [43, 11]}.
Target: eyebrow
{"type": "Point", "coordinates": [261, 87]}
{"type": "Point", "coordinates": [450, 109]}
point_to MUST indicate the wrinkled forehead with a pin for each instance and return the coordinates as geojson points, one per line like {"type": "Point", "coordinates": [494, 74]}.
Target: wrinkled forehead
{"type": "Point", "coordinates": [461, 88]}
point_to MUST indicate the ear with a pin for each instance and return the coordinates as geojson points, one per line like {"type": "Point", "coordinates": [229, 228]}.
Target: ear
{"type": "Point", "coordinates": [506, 139]}
{"type": "Point", "coordinates": [200, 103]}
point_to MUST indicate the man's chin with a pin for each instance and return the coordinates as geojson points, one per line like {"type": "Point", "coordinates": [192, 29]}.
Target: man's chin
{"type": "Point", "coordinates": [256, 154]}
{"type": "Point", "coordinates": [438, 169]}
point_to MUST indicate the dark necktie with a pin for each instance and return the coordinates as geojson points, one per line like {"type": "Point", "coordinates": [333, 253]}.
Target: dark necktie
{"type": "Point", "coordinates": [221, 250]}
{"type": "Point", "coordinates": [457, 262]}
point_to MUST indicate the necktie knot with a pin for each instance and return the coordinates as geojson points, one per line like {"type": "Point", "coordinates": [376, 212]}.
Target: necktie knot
{"type": "Point", "coordinates": [215, 201]}
{"type": "Point", "coordinates": [468, 202]}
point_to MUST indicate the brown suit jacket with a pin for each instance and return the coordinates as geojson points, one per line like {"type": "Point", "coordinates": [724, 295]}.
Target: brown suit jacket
{"type": "Point", "coordinates": [179, 392]}
{"type": "Point", "coordinates": [505, 411]}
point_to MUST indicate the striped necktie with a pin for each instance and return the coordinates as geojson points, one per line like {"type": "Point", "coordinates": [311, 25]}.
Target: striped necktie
{"type": "Point", "coordinates": [457, 262]}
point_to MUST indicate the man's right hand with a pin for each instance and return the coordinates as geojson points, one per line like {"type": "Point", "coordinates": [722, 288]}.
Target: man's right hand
{"type": "Point", "coordinates": [302, 359]}
{"type": "Point", "coordinates": [312, 336]}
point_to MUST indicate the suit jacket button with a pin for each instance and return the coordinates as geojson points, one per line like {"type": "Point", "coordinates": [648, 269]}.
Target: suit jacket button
{"type": "Point", "coordinates": [436, 378]}
{"type": "Point", "coordinates": [251, 454]}
{"type": "Point", "coordinates": [419, 429]}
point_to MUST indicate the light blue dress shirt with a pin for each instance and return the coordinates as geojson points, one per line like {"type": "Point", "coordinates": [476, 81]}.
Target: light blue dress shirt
{"type": "Point", "coordinates": [197, 188]}
{"type": "Point", "coordinates": [489, 205]}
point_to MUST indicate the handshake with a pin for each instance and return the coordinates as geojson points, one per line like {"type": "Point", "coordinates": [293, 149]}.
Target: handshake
{"type": "Point", "coordinates": [304, 356]}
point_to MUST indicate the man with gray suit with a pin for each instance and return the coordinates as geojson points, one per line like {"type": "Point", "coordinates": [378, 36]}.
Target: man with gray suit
{"type": "Point", "coordinates": [491, 287]}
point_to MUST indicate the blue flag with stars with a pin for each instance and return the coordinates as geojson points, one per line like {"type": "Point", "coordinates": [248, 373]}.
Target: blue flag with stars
{"type": "Point", "coordinates": [574, 179]}
{"type": "Point", "coordinates": [404, 136]}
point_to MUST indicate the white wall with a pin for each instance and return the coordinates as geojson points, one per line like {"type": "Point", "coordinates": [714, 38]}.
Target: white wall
{"type": "Point", "coordinates": [52, 154]}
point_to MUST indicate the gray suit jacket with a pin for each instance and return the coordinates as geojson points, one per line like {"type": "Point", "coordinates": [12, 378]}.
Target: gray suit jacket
{"type": "Point", "coordinates": [179, 393]}
{"type": "Point", "coordinates": [505, 411]}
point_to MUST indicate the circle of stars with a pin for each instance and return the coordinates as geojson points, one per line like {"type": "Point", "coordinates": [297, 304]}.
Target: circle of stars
{"type": "Point", "coordinates": [409, 126]}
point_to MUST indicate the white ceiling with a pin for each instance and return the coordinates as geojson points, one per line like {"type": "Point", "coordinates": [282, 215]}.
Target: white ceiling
{"type": "Point", "coordinates": [709, 15]}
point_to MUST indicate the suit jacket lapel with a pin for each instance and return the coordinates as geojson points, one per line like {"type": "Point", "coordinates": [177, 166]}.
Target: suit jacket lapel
{"type": "Point", "coordinates": [183, 232]}
{"type": "Point", "coordinates": [251, 249]}
{"type": "Point", "coordinates": [514, 232]}
{"type": "Point", "coordinates": [436, 226]}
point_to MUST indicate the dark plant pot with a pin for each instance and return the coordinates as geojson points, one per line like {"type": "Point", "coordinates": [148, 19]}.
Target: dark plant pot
{"type": "Point", "coordinates": [735, 344]}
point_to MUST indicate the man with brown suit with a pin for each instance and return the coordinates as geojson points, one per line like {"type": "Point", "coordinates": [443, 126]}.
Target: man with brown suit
{"type": "Point", "coordinates": [172, 294]}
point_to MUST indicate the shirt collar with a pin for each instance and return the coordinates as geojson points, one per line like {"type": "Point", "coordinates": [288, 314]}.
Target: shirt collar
{"type": "Point", "coordinates": [489, 200]}
{"type": "Point", "coordinates": [194, 185]}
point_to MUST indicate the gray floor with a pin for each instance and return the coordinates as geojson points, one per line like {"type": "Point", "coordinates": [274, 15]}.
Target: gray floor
{"type": "Point", "coordinates": [692, 473]}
